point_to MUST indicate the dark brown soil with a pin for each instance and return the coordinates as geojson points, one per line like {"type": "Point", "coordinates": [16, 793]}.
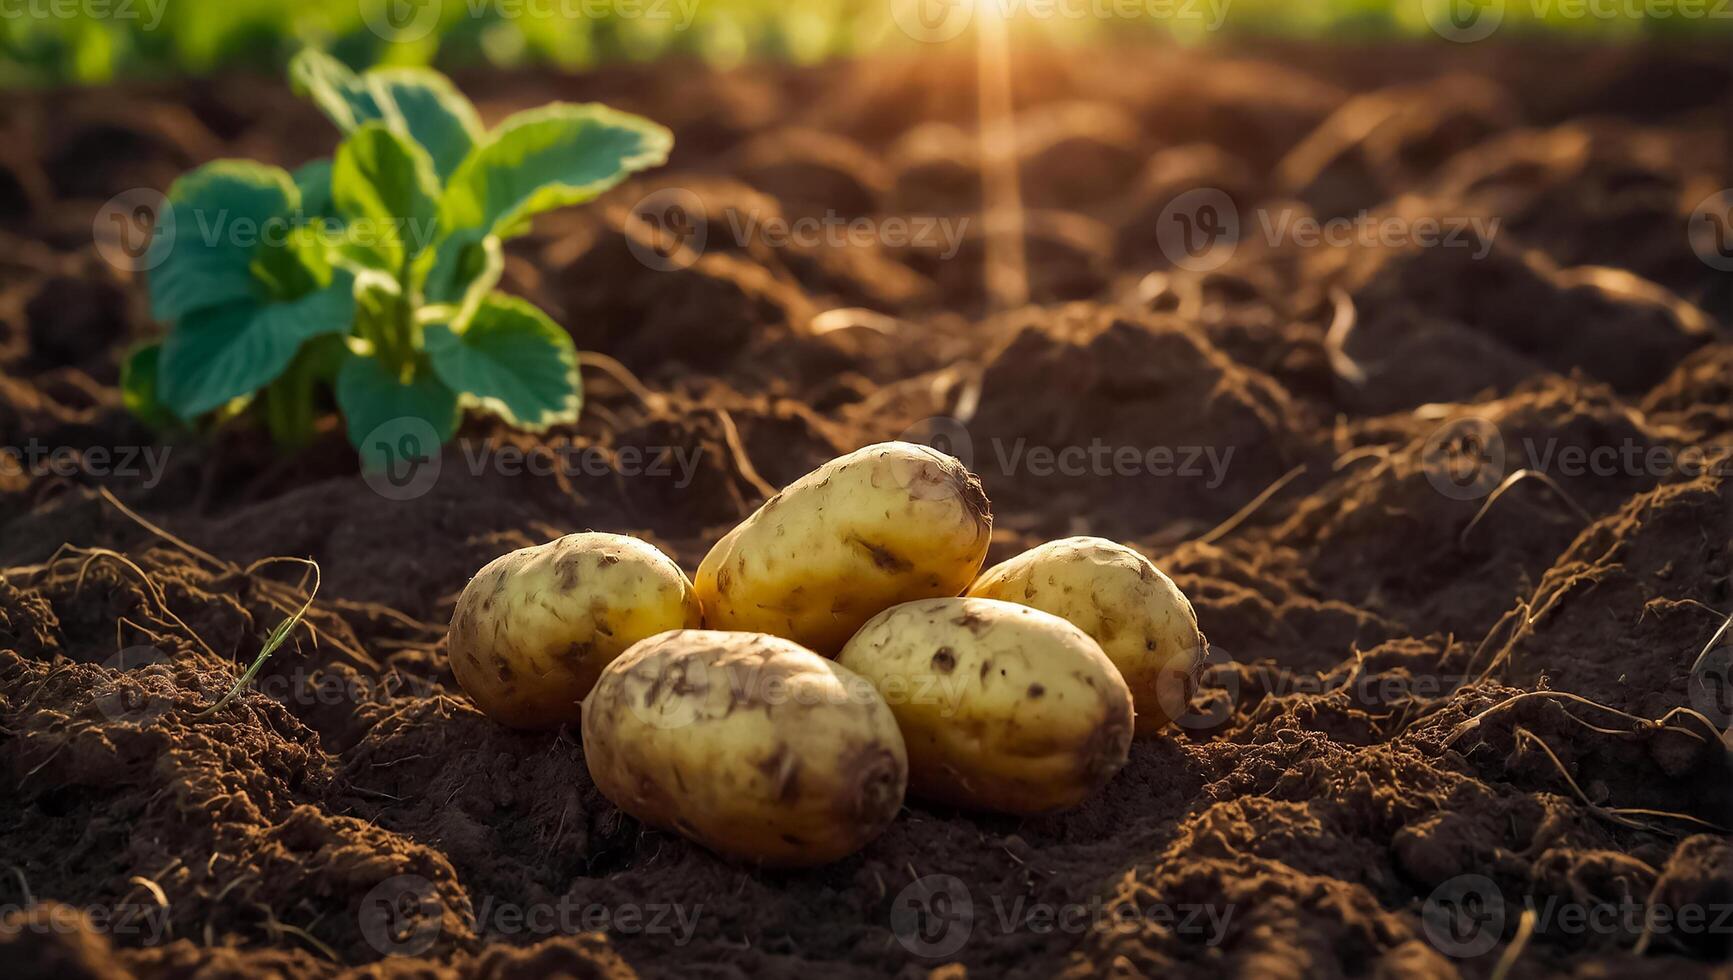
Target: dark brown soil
{"type": "Point", "coordinates": [1326, 809]}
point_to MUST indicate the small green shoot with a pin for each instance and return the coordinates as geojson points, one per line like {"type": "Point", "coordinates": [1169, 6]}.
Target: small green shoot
{"type": "Point", "coordinates": [273, 641]}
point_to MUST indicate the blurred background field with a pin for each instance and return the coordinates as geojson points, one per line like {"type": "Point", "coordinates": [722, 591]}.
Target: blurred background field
{"type": "Point", "coordinates": [53, 42]}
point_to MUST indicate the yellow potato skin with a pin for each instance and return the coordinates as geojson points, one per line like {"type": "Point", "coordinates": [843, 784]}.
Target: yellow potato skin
{"type": "Point", "coordinates": [1003, 707]}
{"type": "Point", "coordinates": [534, 628]}
{"type": "Point", "coordinates": [882, 525]}
{"type": "Point", "coordinates": [1143, 622]}
{"type": "Point", "coordinates": [749, 744]}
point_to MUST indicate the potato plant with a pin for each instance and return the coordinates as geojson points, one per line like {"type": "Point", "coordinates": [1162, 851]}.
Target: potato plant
{"type": "Point", "coordinates": [371, 276]}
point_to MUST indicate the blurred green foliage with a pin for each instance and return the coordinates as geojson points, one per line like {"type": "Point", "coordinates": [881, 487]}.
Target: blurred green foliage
{"type": "Point", "coordinates": [45, 42]}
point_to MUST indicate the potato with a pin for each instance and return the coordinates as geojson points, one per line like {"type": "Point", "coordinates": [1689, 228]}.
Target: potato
{"type": "Point", "coordinates": [1003, 707]}
{"type": "Point", "coordinates": [882, 525]}
{"type": "Point", "coordinates": [1142, 620]}
{"type": "Point", "coordinates": [749, 744]}
{"type": "Point", "coordinates": [534, 628]}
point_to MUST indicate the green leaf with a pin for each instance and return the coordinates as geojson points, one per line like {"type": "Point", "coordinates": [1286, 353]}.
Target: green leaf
{"type": "Point", "coordinates": [313, 180]}
{"type": "Point", "coordinates": [415, 102]}
{"type": "Point", "coordinates": [216, 355]}
{"type": "Point", "coordinates": [513, 361]}
{"type": "Point", "coordinates": [465, 267]}
{"type": "Point", "coordinates": [291, 268]}
{"type": "Point", "coordinates": [138, 388]}
{"type": "Point", "coordinates": [385, 189]}
{"type": "Point", "coordinates": [221, 212]}
{"type": "Point", "coordinates": [548, 158]}
{"type": "Point", "coordinates": [376, 293]}
{"type": "Point", "coordinates": [338, 92]}
{"type": "Point", "coordinates": [389, 419]}
{"type": "Point", "coordinates": [434, 113]}
{"type": "Point", "coordinates": [482, 274]}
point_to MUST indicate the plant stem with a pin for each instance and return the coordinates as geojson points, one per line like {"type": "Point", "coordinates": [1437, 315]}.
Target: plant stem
{"type": "Point", "coordinates": [273, 641]}
{"type": "Point", "coordinates": [401, 326]}
{"type": "Point", "coordinates": [289, 402]}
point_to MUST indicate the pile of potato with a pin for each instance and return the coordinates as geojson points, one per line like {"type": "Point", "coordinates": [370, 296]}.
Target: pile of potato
{"type": "Point", "coordinates": [840, 647]}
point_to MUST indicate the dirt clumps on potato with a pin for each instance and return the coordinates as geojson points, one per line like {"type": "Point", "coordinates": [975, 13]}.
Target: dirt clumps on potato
{"type": "Point", "coordinates": [1142, 620]}
{"type": "Point", "coordinates": [749, 744]}
{"type": "Point", "coordinates": [1003, 707]}
{"type": "Point", "coordinates": [534, 628]}
{"type": "Point", "coordinates": [882, 525]}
